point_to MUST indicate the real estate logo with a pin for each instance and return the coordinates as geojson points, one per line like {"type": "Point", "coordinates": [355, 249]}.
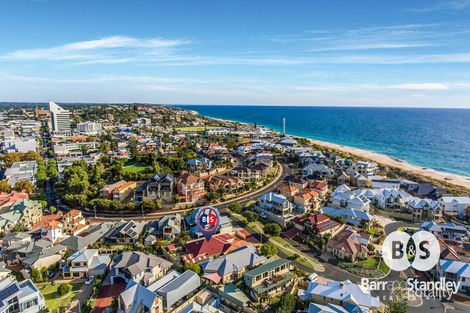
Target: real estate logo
{"type": "Point", "coordinates": [420, 251]}
{"type": "Point", "coordinates": [208, 220]}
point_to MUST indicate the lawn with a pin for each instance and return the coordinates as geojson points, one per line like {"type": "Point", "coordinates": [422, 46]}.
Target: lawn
{"type": "Point", "coordinates": [369, 263]}
{"type": "Point", "coordinates": [53, 301]}
{"type": "Point", "coordinates": [134, 167]}
{"type": "Point", "coordinates": [194, 128]}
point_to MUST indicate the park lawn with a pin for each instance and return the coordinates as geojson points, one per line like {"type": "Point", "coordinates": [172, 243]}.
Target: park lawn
{"type": "Point", "coordinates": [53, 300]}
{"type": "Point", "coordinates": [134, 167]}
{"type": "Point", "coordinates": [194, 128]}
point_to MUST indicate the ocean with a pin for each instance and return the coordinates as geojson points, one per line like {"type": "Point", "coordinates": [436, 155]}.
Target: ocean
{"type": "Point", "coordinates": [431, 138]}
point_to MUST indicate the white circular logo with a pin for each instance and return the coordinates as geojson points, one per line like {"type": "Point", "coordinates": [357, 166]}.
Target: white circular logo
{"type": "Point", "coordinates": [424, 251]}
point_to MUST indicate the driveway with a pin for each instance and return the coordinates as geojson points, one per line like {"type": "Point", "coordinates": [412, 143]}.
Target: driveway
{"type": "Point", "coordinates": [106, 296]}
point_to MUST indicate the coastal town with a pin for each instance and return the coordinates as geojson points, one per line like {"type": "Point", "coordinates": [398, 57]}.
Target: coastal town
{"type": "Point", "coordinates": [99, 208]}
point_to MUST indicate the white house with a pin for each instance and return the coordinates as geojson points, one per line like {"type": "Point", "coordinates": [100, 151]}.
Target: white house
{"type": "Point", "coordinates": [455, 271]}
{"type": "Point", "coordinates": [455, 204]}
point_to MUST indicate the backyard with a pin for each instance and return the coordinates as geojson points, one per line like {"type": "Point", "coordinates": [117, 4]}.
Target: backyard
{"type": "Point", "coordinates": [53, 301]}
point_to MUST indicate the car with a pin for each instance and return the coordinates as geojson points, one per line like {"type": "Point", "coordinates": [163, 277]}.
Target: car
{"type": "Point", "coordinates": [89, 280]}
{"type": "Point", "coordinates": [313, 277]}
{"type": "Point", "coordinates": [263, 215]}
{"type": "Point", "coordinates": [51, 274]}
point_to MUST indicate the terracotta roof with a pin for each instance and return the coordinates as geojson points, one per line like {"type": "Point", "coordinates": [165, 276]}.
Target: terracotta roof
{"type": "Point", "coordinates": [188, 179]}
{"type": "Point", "coordinates": [290, 189]}
{"type": "Point", "coordinates": [216, 245]}
{"type": "Point", "coordinates": [54, 225]}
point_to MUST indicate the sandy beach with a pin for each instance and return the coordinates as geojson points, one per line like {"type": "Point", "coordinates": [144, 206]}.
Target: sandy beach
{"type": "Point", "coordinates": [380, 158]}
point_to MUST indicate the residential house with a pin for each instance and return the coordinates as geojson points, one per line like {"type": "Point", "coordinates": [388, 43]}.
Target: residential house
{"type": "Point", "coordinates": [269, 279]}
{"type": "Point", "coordinates": [342, 294]}
{"type": "Point", "coordinates": [319, 186]}
{"type": "Point", "coordinates": [276, 207]}
{"type": "Point", "coordinates": [203, 249]}
{"type": "Point", "coordinates": [199, 165]}
{"type": "Point", "coordinates": [391, 198]}
{"type": "Point", "coordinates": [53, 231]}
{"type": "Point", "coordinates": [86, 238]}
{"type": "Point", "coordinates": [343, 178]}
{"type": "Point", "coordinates": [315, 224]}
{"type": "Point", "coordinates": [175, 287]}
{"type": "Point", "coordinates": [142, 268]}
{"type": "Point", "coordinates": [298, 182]}
{"type": "Point", "coordinates": [137, 298]}
{"type": "Point", "coordinates": [424, 209]}
{"type": "Point", "coordinates": [365, 168]}
{"type": "Point", "coordinates": [73, 222]}
{"type": "Point", "coordinates": [447, 231]}
{"type": "Point", "coordinates": [458, 205]}
{"type": "Point", "coordinates": [307, 199]}
{"type": "Point", "coordinates": [33, 254]}
{"type": "Point", "coordinates": [167, 227]}
{"type": "Point", "coordinates": [455, 271]}
{"type": "Point", "coordinates": [24, 211]}
{"type": "Point", "coordinates": [344, 197]}
{"type": "Point", "coordinates": [226, 268]}
{"type": "Point", "coordinates": [119, 191]}
{"type": "Point", "coordinates": [190, 188]}
{"type": "Point", "coordinates": [24, 170]}
{"type": "Point", "coordinates": [358, 218]}
{"type": "Point", "coordinates": [359, 180]}
{"type": "Point", "coordinates": [160, 186]}
{"type": "Point", "coordinates": [247, 174]}
{"type": "Point", "coordinates": [15, 237]}
{"type": "Point", "coordinates": [317, 169]}
{"type": "Point", "coordinates": [85, 263]}
{"type": "Point", "coordinates": [349, 244]}
{"type": "Point", "coordinates": [22, 297]}
{"type": "Point", "coordinates": [225, 182]}
{"type": "Point", "coordinates": [124, 232]}
{"type": "Point", "coordinates": [288, 191]}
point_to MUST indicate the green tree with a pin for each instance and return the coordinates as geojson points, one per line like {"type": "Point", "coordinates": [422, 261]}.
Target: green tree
{"type": "Point", "coordinates": [286, 304]}
{"type": "Point", "coordinates": [64, 289]}
{"type": "Point", "coordinates": [4, 186]}
{"type": "Point", "coordinates": [235, 207]}
{"type": "Point", "coordinates": [268, 250]}
{"type": "Point", "coordinates": [250, 216]}
{"type": "Point", "coordinates": [25, 185]}
{"type": "Point", "coordinates": [196, 268]}
{"type": "Point", "coordinates": [51, 169]}
{"type": "Point", "coordinates": [41, 171]}
{"type": "Point", "coordinates": [272, 229]}
{"type": "Point", "coordinates": [52, 209]}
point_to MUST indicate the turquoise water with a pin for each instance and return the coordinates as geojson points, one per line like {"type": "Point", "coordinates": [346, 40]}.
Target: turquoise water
{"type": "Point", "coordinates": [433, 138]}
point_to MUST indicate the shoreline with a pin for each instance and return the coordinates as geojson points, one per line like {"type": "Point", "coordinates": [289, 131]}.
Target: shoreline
{"type": "Point", "coordinates": [447, 178]}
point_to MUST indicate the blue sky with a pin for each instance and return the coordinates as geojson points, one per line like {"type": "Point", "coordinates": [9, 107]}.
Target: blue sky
{"type": "Point", "coordinates": [360, 53]}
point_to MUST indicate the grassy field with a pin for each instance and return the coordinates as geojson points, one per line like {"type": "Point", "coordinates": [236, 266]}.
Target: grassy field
{"type": "Point", "coordinates": [53, 300]}
{"type": "Point", "coordinates": [134, 167]}
{"type": "Point", "coordinates": [194, 128]}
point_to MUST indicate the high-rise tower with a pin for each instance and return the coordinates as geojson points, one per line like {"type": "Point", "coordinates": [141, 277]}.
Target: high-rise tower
{"type": "Point", "coordinates": [60, 118]}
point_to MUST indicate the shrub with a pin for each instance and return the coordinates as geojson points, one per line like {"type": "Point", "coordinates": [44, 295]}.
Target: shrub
{"type": "Point", "coordinates": [64, 289]}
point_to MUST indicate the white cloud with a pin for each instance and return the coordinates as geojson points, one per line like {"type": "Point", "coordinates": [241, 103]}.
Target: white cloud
{"type": "Point", "coordinates": [421, 86]}
{"type": "Point", "coordinates": [113, 49]}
